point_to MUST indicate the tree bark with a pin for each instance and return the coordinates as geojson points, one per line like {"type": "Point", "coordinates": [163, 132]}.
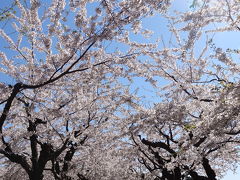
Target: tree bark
{"type": "Point", "coordinates": [35, 175]}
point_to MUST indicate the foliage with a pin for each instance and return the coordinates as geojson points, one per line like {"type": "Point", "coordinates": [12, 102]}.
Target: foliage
{"type": "Point", "coordinates": [6, 12]}
{"type": "Point", "coordinates": [71, 112]}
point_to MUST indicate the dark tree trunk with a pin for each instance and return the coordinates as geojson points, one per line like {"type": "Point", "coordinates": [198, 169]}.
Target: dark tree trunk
{"type": "Point", "coordinates": [208, 169]}
{"type": "Point", "coordinates": [35, 175]}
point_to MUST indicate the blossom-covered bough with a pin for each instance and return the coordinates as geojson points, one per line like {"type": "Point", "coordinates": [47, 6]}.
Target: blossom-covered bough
{"type": "Point", "coordinates": [70, 111]}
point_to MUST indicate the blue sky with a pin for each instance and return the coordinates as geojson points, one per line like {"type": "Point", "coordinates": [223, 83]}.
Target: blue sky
{"type": "Point", "coordinates": [157, 24]}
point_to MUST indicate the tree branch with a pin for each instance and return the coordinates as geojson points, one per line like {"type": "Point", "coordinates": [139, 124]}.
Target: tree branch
{"type": "Point", "coordinates": [160, 145]}
{"type": "Point", "coordinates": [209, 171]}
{"type": "Point", "coordinates": [7, 107]}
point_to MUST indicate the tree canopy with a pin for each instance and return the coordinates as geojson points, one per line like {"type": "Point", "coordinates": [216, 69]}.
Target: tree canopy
{"type": "Point", "coordinates": [70, 107]}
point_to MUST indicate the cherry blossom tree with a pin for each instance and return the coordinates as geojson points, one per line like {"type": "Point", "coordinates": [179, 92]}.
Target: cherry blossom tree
{"type": "Point", "coordinates": [71, 113]}
{"type": "Point", "coordinates": [56, 118]}
{"type": "Point", "coordinates": [194, 132]}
